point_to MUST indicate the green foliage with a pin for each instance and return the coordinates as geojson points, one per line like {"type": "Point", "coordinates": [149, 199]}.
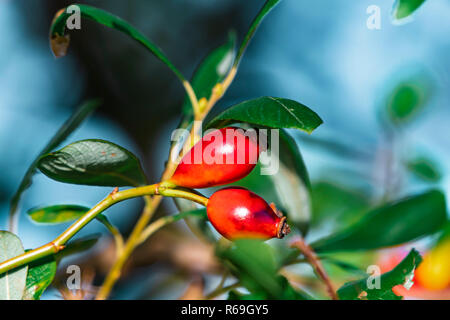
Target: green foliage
{"type": "Point", "coordinates": [234, 295]}
{"type": "Point", "coordinates": [269, 112]}
{"type": "Point", "coordinates": [391, 224]}
{"type": "Point", "coordinates": [341, 205]}
{"type": "Point", "coordinates": [56, 214]}
{"type": "Point", "coordinates": [12, 283]}
{"type": "Point", "coordinates": [255, 264]}
{"type": "Point", "coordinates": [404, 8]}
{"type": "Point", "coordinates": [40, 275]}
{"type": "Point", "coordinates": [58, 28]}
{"type": "Point", "coordinates": [95, 163]}
{"type": "Point", "coordinates": [67, 128]}
{"type": "Point", "coordinates": [402, 274]}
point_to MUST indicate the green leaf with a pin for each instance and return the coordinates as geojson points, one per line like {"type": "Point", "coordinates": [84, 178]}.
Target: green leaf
{"type": "Point", "coordinates": [58, 30]}
{"type": "Point", "coordinates": [408, 99]}
{"type": "Point", "coordinates": [269, 5]}
{"type": "Point", "coordinates": [212, 70]}
{"type": "Point", "coordinates": [404, 8]}
{"type": "Point", "coordinates": [40, 275]}
{"type": "Point", "coordinates": [402, 274]}
{"type": "Point", "coordinates": [291, 183]}
{"type": "Point", "coordinates": [269, 112]}
{"type": "Point", "coordinates": [338, 205]}
{"type": "Point", "coordinates": [391, 224]}
{"type": "Point", "coordinates": [425, 169]}
{"type": "Point", "coordinates": [56, 214]}
{"type": "Point", "coordinates": [93, 162]}
{"type": "Point", "coordinates": [67, 128]}
{"type": "Point", "coordinates": [12, 283]}
{"type": "Point", "coordinates": [254, 263]}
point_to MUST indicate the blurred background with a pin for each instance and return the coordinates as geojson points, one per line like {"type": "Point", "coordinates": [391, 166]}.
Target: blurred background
{"type": "Point", "coordinates": [319, 53]}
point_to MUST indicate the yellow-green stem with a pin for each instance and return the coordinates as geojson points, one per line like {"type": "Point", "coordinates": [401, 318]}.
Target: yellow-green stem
{"type": "Point", "coordinates": [118, 239]}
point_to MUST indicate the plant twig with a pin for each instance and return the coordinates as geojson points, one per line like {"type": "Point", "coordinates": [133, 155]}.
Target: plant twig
{"type": "Point", "coordinates": [311, 256]}
{"type": "Point", "coordinates": [58, 244]}
{"type": "Point", "coordinates": [118, 239]}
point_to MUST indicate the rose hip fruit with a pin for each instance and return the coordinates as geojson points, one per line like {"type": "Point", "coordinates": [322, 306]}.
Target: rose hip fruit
{"type": "Point", "coordinates": [223, 156]}
{"type": "Point", "coordinates": [239, 213]}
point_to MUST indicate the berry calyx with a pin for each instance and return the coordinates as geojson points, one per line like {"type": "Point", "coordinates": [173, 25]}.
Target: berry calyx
{"type": "Point", "coordinates": [222, 156]}
{"type": "Point", "coordinates": [239, 213]}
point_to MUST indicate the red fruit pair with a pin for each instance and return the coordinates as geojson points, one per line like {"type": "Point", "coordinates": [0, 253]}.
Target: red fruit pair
{"type": "Point", "coordinates": [239, 213]}
{"type": "Point", "coordinates": [223, 156]}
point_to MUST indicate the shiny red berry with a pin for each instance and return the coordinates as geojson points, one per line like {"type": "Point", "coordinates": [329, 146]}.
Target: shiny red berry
{"type": "Point", "coordinates": [239, 213]}
{"type": "Point", "coordinates": [222, 156]}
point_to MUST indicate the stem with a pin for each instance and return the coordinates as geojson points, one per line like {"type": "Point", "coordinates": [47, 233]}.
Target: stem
{"type": "Point", "coordinates": [311, 256]}
{"type": "Point", "coordinates": [152, 204]}
{"type": "Point", "coordinates": [115, 197]}
{"type": "Point", "coordinates": [191, 94]}
{"type": "Point", "coordinates": [222, 290]}
{"type": "Point", "coordinates": [219, 90]}
{"type": "Point", "coordinates": [118, 239]}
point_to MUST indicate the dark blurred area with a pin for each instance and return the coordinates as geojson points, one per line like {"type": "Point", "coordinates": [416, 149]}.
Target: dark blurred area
{"type": "Point", "coordinates": [138, 91]}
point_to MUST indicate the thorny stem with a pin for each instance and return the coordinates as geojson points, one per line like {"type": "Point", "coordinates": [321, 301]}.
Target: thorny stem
{"type": "Point", "coordinates": [161, 222]}
{"type": "Point", "coordinates": [115, 197]}
{"type": "Point", "coordinates": [311, 256]}
{"type": "Point", "coordinates": [220, 286]}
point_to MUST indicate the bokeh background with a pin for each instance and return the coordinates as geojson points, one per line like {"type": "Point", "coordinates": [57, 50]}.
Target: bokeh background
{"type": "Point", "coordinates": [320, 53]}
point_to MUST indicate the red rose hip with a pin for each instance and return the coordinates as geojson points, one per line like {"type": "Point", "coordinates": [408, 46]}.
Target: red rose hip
{"type": "Point", "coordinates": [239, 213]}
{"type": "Point", "coordinates": [222, 156]}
